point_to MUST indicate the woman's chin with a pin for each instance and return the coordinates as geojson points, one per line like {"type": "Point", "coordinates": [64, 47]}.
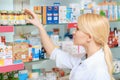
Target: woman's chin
{"type": "Point", "coordinates": [75, 43]}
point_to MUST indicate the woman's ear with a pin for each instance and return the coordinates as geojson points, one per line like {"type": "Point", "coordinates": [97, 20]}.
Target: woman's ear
{"type": "Point", "coordinates": [90, 38]}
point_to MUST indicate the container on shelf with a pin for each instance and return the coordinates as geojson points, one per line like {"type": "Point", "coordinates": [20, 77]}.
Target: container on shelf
{"type": "Point", "coordinates": [0, 17]}
{"type": "Point", "coordinates": [116, 65]}
{"type": "Point", "coordinates": [10, 18]}
{"type": "Point", "coordinates": [22, 18]}
{"type": "Point", "coordinates": [4, 17]}
{"type": "Point", "coordinates": [16, 19]}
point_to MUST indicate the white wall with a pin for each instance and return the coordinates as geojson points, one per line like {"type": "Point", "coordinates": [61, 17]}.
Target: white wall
{"type": "Point", "coordinates": [51, 2]}
{"type": "Point", "coordinates": [6, 4]}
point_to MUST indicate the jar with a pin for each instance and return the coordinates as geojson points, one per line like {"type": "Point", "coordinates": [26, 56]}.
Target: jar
{"type": "Point", "coordinates": [35, 9]}
{"type": "Point", "coordinates": [0, 17]}
{"type": "Point", "coordinates": [14, 14]}
{"type": "Point", "coordinates": [10, 18]}
{"type": "Point", "coordinates": [116, 66]}
{"type": "Point", "coordinates": [22, 18]}
{"type": "Point", "coordinates": [39, 17]}
{"type": "Point", "coordinates": [27, 16]}
{"type": "Point", "coordinates": [16, 17]}
{"type": "Point", "coordinates": [4, 17]}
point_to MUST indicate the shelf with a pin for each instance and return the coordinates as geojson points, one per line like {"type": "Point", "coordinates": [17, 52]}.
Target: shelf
{"type": "Point", "coordinates": [115, 48]}
{"type": "Point", "coordinates": [32, 62]}
{"type": "Point", "coordinates": [23, 25]}
{"type": "Point", "coordinates": [10, 68]}
{"type": "Point", "coordinates": [114, 21]}
{"type": "Point", "coordinates": [116, 76]}
{"type": "Point", "coordinates": [16, 25]}
{"type": "Point", "coordinates": [115, 24]}
{"type": "Point", "coordinates": [116, 73]}
{"type": "Point", "coordinates": [115, 52]}
{"type": "Point", "coordinates": [6, 29]}
{"type": "Point", "coordinates": [43, 24]}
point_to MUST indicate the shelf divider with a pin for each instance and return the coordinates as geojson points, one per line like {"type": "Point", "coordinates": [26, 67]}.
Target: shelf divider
{"type": "Point", "coordinates": [10, 68]}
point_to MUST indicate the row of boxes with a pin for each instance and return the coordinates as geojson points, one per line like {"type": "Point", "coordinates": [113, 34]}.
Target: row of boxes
{"type": "Point", "coordinates": [19, 52]}
{"type": "Point", "coordinates": [58, 14]}
{"type": "Point", "coordinates": [50, 14]}
{"type": "Point", "coordinates": [70, 14]}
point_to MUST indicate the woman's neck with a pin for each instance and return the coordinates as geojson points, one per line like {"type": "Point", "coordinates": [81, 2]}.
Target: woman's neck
{"type": "Point", "coordinates": [91, 49]}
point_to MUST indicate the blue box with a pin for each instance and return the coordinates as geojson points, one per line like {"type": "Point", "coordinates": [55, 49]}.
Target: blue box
{"type": "Point", "coordinates": [55, 14]}
{"type": "Point", "coordinates": [23, 75]}
{"type": "Point", "coordinates": [35, 54]}
{"type": "Point", "coordinates": [49, 14]}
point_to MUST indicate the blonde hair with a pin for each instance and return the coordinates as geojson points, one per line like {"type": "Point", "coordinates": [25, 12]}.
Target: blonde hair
{"type": "Point", "coordinates": [98, 27]}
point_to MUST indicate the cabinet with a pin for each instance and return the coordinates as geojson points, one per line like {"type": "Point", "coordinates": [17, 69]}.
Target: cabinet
{"type": "Point", "coordinates": [62, 27]}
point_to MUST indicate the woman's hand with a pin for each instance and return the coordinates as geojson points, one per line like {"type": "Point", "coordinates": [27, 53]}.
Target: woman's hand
{"type": "Point", "coordinates": [45, 40]}
{"type": "Point", "coordinates": [34, 20]}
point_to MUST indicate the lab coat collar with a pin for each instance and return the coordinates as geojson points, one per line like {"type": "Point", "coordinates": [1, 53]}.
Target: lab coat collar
{"type": "Point", "coordinates": [94, 59]}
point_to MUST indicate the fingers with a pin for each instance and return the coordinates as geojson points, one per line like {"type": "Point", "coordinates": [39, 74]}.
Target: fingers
{"type": "Point", "coordinates": [29, 12]}
{"type": "Point", "coordinates": [29, 20]}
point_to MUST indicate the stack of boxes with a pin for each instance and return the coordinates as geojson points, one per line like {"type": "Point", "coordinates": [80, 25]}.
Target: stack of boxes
{"type": "Point", "coordinates": [5, 55]}
{"type": "Point", "coordinates": [50, 14]}
{"type": "Point", "coordinates": [6, 51]}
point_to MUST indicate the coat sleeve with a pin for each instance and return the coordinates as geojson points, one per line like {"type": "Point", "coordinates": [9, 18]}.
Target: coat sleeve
{"type": "Point", "coordinates": [64, 59]}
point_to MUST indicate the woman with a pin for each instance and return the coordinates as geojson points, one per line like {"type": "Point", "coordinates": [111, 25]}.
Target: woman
{"type": "Point", "coordinates": [92, 33]}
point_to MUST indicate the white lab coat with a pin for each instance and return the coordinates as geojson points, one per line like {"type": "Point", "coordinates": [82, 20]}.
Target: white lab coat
{"type": "Point", "coordinates": [92, 68]}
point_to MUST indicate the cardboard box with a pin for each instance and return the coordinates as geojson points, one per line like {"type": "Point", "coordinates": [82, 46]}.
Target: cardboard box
{"type": "Point", "coordinates": [55, 14]}
{"type": "Point", "coordinates": [62, 14]}
{"type": "Point", "coordinates": [20, 51]}
{"type": "Point", "coordinates": [5, 55]}
{"type": "Point", "coordinates": [49, 14]}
